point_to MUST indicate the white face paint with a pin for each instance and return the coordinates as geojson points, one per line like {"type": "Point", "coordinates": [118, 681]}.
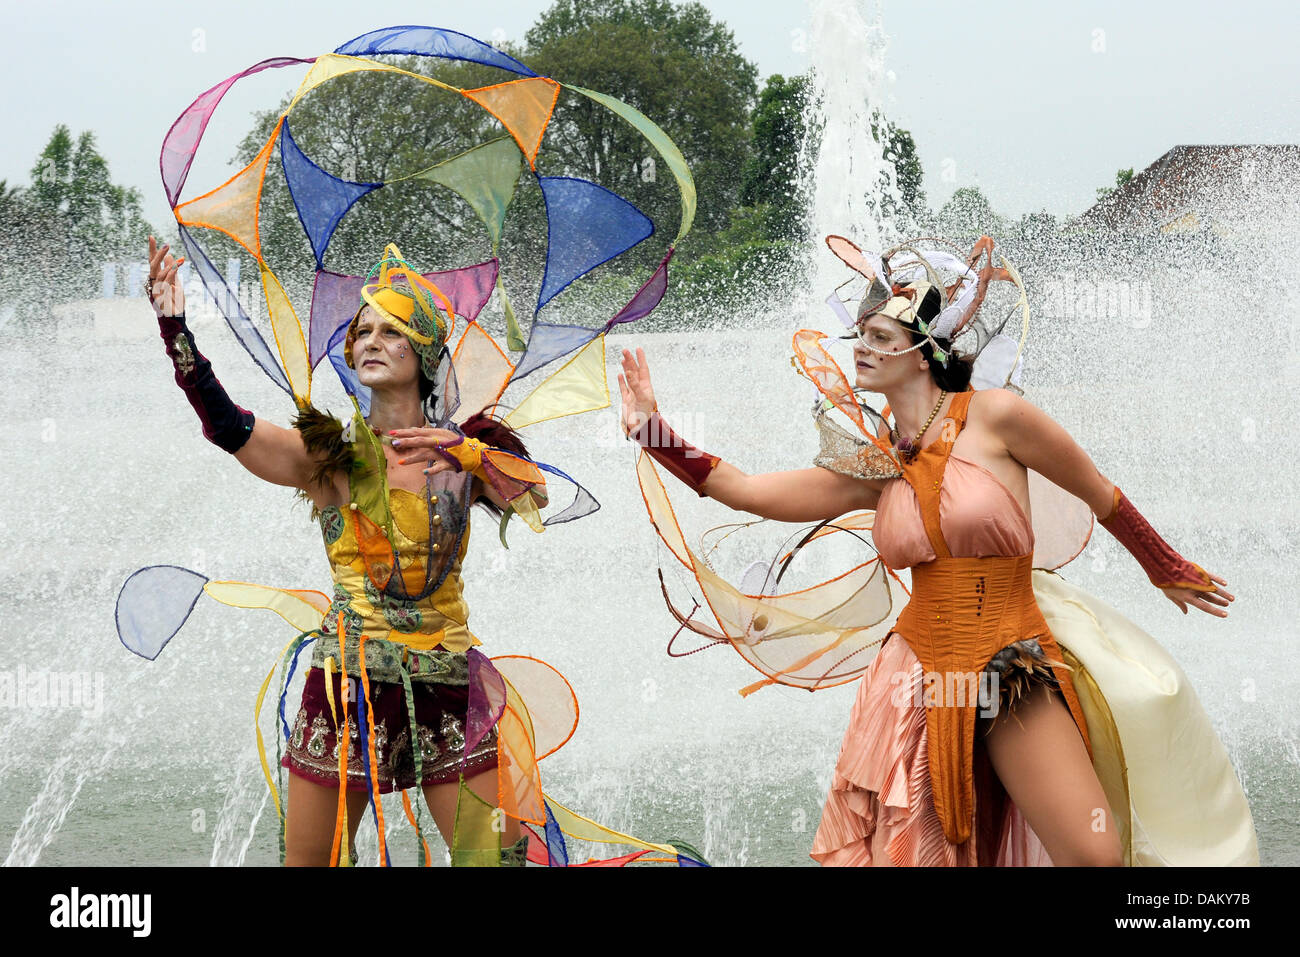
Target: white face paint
{"type": "Point", "coordinates": [382, 354]}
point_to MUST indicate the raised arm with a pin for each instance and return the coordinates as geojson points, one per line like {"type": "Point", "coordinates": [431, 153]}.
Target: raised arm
{"type": "Point", "coordinates": [800, 495]}
{"type": "Point", "coordinates": [270, 452]}
{"type": "Point", "coordinates": [1037, 442]}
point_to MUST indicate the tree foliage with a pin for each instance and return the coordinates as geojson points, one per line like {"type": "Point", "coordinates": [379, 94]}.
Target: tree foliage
{"type": "Point", "coordinates": [57, 234]}
{"type": "Point", "coordinates": [676, 65]}
{"type": "Point", "coordinates": [771, 176]}
{"type": "Point", "coordinates": [967, 215]}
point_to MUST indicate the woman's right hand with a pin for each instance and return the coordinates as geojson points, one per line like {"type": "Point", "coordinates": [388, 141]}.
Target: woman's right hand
{"type": "Point", "coordinates": [638, 395]}
{"type": "Point", "coordinates": [166, 292]}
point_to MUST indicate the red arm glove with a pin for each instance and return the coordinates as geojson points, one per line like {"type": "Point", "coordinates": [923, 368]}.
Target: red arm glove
{"type": "Point", "coordinates": [1164, 566]}
{"type": "Point", "coordinates": [685, 461]}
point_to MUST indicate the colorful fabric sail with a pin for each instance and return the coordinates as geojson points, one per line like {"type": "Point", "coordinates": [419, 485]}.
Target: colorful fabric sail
{"type": "Point", "coordinates": [485, 177]}
{"type": "Point", "coordinates": [319, 198]}
{"type": "Point", "coordinates": [396, 614]}
{"type": "Point", "coordinates": [588, 224]}
{"type": "Point", "coordinates": [549, 341]}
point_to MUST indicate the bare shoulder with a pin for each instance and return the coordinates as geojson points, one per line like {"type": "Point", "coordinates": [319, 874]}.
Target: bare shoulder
{"type": "Point", "coordinates": [991, 404]}
{"type": "Point", "coordinates": [1001, 411]}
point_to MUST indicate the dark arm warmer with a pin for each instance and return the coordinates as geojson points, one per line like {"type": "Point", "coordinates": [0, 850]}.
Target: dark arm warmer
{"type": "Point", "coordinates": [225, 424]}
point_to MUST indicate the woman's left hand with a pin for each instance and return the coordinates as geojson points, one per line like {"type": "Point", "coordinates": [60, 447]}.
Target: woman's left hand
{"type": "Point", "coordinates": [422, 444]}
{"type": "Point", "coordinates": [1214, 602]}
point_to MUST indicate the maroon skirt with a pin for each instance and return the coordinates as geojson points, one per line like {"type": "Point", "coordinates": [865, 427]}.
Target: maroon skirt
{"type": "Point", "coordinates": [440, 735]}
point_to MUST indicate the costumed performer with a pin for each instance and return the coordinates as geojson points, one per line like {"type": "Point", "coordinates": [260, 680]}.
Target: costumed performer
{"type": "Point", "coordinates": [394, 672]}
{"type": "Point", "coordinates": [1091, 748]}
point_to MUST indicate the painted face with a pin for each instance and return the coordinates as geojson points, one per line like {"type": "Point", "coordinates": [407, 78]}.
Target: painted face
{"type": "Point", "coordinates": [381, 354]}
{"type": "Point", "coordinates": [878, 369]}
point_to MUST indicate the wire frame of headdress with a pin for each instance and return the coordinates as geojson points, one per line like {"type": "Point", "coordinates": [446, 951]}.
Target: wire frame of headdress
{"type": "Point", "coordinates": [961, 326]}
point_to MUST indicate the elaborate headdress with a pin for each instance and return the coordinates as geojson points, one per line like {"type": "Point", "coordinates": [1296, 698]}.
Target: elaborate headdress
{"type": "Point", "coordinates": [896, 283]}
{"type": "Point", "coordinates": [409, 307]}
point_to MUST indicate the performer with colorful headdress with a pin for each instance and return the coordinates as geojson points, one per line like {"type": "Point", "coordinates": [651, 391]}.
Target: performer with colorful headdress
{"type": "Point", "coordinates": [1004, 717]}
{"type": "Point", "coordinates": [394, 669]}
{"type": "Point", "coordinates": [398, 693]}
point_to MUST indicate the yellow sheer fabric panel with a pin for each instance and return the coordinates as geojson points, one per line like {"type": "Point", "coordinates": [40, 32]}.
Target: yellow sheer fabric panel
{"type": "Point", "coordinates": [330, 65]}
{"type": "Point", "coordinates": [289, 339]}
{"type": "Point", "coordinates": [299, 607]}
{"type": "Point", "coordinates": [578, 386]}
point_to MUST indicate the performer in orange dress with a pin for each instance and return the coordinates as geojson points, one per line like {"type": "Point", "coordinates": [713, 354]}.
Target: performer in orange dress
{"type": "Point", "coordinates": [1008, 718]}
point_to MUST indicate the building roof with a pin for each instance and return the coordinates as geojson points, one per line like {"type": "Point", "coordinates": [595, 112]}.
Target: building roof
{"type": "Point", "coordinates": [1228, 189]}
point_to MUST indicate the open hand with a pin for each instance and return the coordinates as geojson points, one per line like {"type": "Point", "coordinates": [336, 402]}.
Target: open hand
{"type": "Point", "coordinates": [1213, 602]}
{"type": "Point", "coordinates": [166, 292]}
{"type": "Point", "coordinates": [422, 445]}
{"type": "Point", "coordinates": [638, 395]}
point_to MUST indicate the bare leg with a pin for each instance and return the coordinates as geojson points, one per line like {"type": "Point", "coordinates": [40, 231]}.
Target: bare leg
{"type": "Point", "coordinates": [1041, 760]}
{"type": "Point", "coordinates": [310, 815]}
{"type": "Point", "coordinates": [442, 805]}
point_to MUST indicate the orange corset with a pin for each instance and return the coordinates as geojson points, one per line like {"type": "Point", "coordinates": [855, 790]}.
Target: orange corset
{"type": "Point", "coordinates": [963, 610]}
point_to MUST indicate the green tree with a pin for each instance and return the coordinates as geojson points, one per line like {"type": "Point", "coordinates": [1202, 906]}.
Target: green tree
{"type": "Point", "coordinates": [968, 214]}
{"type": "Point", "coordinates": [900, 151]}
{"type": "Point", "coordinates": [676, 65]}
{"type": "Point", "coordinates": [771, 176]}
{"type": "Point", "coordinates": [71, 186]}
{"type": "Point", "coordinates": [59, 232]}
{"type": "Point", "coordinates": [1121, 179]}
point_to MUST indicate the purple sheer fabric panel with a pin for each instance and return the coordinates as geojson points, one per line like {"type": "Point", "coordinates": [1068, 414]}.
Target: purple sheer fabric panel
{"type": "Point", "coordinates": [487, 699]}
{"type": "Point", "coordinates": [182, 140]}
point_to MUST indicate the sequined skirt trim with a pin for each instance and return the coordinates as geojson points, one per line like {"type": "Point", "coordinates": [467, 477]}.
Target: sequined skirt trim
{"type": "Point", "coordinates": [439, 714]}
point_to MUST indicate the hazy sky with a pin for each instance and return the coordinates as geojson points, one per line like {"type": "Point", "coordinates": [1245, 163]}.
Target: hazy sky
{"type": "Point", "coordinates": [1037, 103]}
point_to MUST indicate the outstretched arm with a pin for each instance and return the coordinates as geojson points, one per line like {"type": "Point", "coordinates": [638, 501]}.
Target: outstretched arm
{"type": "Point", "coordinates": [1037, 442]}
{"type": "Point", "coordinates": [272, 453]}
{"type": "Point", "coordinates": [800, 495]}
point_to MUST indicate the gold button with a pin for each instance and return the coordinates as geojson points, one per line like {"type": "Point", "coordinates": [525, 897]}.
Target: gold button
{"type": "Point", "coordinates": [437, 519]}
{"type": "Point", "coordinates": [435, 546]}
{"type": "Point", "coordinates": [433, 499]}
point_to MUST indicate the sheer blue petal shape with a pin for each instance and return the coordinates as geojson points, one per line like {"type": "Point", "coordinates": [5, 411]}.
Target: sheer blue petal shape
{"type": "Point", "coordinates": [547, 342]}
{"type": "Point", "coordinates": [431, 41]}
{"type": "Point", "coordinates": [586, 225]}
{"type": "Point", "coordinates": [319, 198]}
{"type": "Point", "coordinates": [153, 604]}
{"type": "Point", "coordinates": [228, 305]}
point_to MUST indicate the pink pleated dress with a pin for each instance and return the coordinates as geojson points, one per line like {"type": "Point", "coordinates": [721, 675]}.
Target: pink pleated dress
{"type": "Point", "coordinates": [880, 809]}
